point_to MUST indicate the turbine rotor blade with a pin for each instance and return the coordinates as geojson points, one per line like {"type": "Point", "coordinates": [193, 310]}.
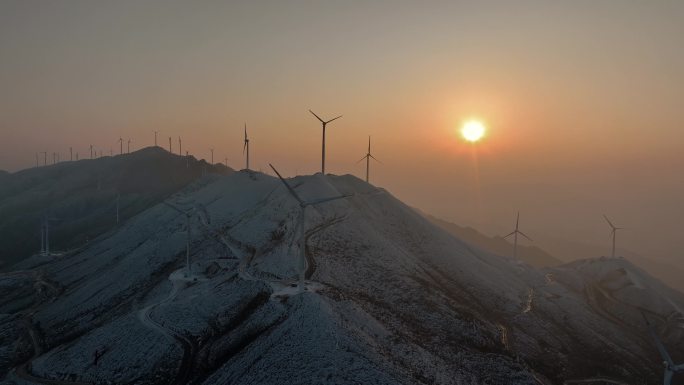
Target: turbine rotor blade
{"type": "Point", "coordinates": [376, 159]}
{"type": "Point", "coordinates": [359, 161]}
{"type": "Point", "coordinates": [609, 222]}
{"type": "Point", "coordinates": [289, 188]}
{"type": "Point", "coordinates": [661, 348]}
{"type": "Point", "coordinates": [509, 235]}
{"type": "Point", "coordinates": [317, 117]}
{"type": "Point", "coordinates": [333, 119]}
{"type": "Point", "coordinates": [523, 234]}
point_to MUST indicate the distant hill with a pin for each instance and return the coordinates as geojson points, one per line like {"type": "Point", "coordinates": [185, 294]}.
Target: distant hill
{"type": "Point", "coordinates": [81, 197]}
{"type": "Point", "coordinates": [532, 255]}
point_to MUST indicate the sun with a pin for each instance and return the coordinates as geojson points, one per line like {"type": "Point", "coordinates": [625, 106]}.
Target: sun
{"type": "Point", "coordinates": [473, 130]}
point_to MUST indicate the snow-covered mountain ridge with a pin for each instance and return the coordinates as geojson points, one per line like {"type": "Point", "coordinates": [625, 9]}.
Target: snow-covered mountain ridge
{"type": "Point", "coordinates": [390, 299]}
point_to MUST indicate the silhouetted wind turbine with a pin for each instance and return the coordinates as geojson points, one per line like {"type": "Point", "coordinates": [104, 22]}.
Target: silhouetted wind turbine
{"type": "Point", "coordinates": [128, 146]}
{"type": "Point", "coordinates": [170, 149]}
{"type": "Point", "coordinates": [670, 367]}
{"type": "Point", "coordinates": [368, 158]}
{"type": "Point", "coordinates": [302, 217]}
{"type": "Point", "coordinates": [324, 123]}
{"type": "Point", "coordinates": [71, 154]}
{"type": "Point", "coordinates": [120, 146]}
{"type": "Point", "coordinates": [180, 147]}
{"type": "Point", "coordinates": [515, 236]}
{"type": "Point", "coordinates": [245, 148]}
{"type": "Point", "coordinates": [226, 162]}
{"type": "Point", "coordinates": [44, 157]}
{"type": "Point", "coordinates": [212, 155]}
{"type": "Point", "coordinates": [613, 232]}
{"type": "Point", "coordinates": [155, 138]}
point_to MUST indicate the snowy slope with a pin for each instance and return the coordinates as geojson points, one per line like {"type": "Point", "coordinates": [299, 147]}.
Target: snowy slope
{"type": "Point", "coordinates": [391, 298]}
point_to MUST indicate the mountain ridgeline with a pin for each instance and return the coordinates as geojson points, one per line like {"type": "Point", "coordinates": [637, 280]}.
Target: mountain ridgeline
{"type": "Point", "coordinates": [79, 198]}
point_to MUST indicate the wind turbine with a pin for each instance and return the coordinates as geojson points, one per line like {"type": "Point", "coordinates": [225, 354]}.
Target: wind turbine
{"type": "Point", "coordinates": [91, 151]}
{"type": "Point", "coordinates": [670, 367]}
{"type": "Point", "coordinates": [120, 146]}
{"type": "Point", "coordinates": [302, 217]}
{"type": "Point", "coordinates": [245, 148]}
{"type": "Point", "coordinates": [71, 154]}
{"type": "Point", "coordinates": [515, 236]}
{"type": "Point", "coordinates": [613, 232]}
{"type": "Point", "coordinates": [226, 159]}
{"type": "Point", "coordinates": [180, 148]}
{"type": "Point", "coordinates": [368, 158]}
{"type": "Point", "coordinates": [170, 149]}
{"type": "Point", "coordinates": [44, 157]}
{"type": "Point", "coordinates": [188, 215]}
{"type": "Point", "coordinates": [212, 155]}
{"type": "Point", "coordinates": [128, 148]}
{"type": "Point", "coordinates": [324, 123]}
{"type": "Point", "coordinates": [155, 138]}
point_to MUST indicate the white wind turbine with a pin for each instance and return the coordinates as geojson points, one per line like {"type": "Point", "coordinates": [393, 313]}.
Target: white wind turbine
{"type": "Point", "coordinates": [188, 215]}
{"type": "Point", "coordinates": [302, 218]}
{"type": "Point", "coordinates": [670, 367]}
{"type": "Point", "coordinates": [324, 123]}
{"type": "Point", "coordinates": [613, 233]}
{"type": "Point", "coordinates": [515, 236]}
{"type": "Point", "coordinates": [368, 158]}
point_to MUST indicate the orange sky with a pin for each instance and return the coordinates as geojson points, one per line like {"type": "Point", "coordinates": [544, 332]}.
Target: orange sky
{"type": "Point", "coordinates": [582, 99]}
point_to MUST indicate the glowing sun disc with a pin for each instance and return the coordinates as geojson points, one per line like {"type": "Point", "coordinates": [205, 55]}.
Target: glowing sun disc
{"type": "Point", "coordinates": [473, 130]}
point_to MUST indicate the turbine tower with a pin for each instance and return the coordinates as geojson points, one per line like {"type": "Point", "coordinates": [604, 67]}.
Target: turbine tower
{"type": "Point", "coordinates": [368, 158]}
{"type": "Point", "coordinates": [302, 217]}
{"type": "Point", "coordinates": [71, 154]}
{"type": "Point", "coordinates": [180, 147]}
{"type": "Point", "coordinates": [44, 157]}
{"type": "Point", "coordinates": [170, 149]}
{"type": "Point", "coordinates": [212, 155]}
{"type": "Point", "coordinates": [128, 148]}
{"type": "Point", "coordinates": [120, 146]}
{"type": "Point", "coordinates": [203, 216]}
{"type": "Point", "coordinates": [515, 236]}
{"type": "Point", "coordinates": [245, 148]}
{"type": "Point", "coordinates": [613, 232]}
{"type": "Point", "coordinates": [323, 123]}
{"type": "Point", "coordinates": [155, 138]}
{"type": "Point", "coordinates": [670, 367]}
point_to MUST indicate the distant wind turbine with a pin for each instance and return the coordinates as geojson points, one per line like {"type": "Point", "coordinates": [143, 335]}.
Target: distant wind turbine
{"type": "Point", "coordinates": [180, 147]}
{"type": "Point", "coordinates": [155, 138]}
{"type": "Point", "coordinates": [91, 151]}
{"type": "Point", "coordinates": [203, 216]}
{"type": "Point", "coordinates": [302, 217]}
{"type": "Point", "coordinates": [120, 146]}
{"type": "Point", "coordinates": [71, 154]}
{"type": "Point", "coordinates": [212, 155]}
{"type": "Point", "coordinates": [170, 148]}
{"type": "Point", "coordinates": [128, 148]}
{"type": "Point", "coordinates": [226, 162]}
{"type": "Point", "coordinates": [44, 157]}
{"type": "Point", "coordinates": [324, 123]}
{"type": "Point", "coordinates": [245, 148]}
{"type": "Point", "coordinates": [368, 158]}
{"type": "Point", "coordinates": [613, 233]}
{"type": "Point", "coordinates": [515, 236]}
{"type": "Point", "coordinates": [670, 367]}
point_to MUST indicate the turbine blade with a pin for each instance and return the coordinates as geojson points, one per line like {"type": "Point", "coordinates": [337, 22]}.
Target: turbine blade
{"type": "Point", "coordinates": [609, 222]}
{"type": "Point", "coordinates": [244, 148]}
{"type": "Point", "coordinates": [509, 235]}
{"type": "Point", "coordinates": [376, 159]}
{"type": "Point", "coordinates": [362, 159]}
{"type": "Point", "coordinates": [333, 119]}
{"type": "Point", "coordinates": [323, 200]}
{"type": "Point", "coordinates": [661, 348]}
{"type": "Point", "coordinates": [317, 117]}
{"type": "Point", "coordinates": [289, 188]}
{"type": "Point", "coordinates": [523, 234]}
{"type": "Point", "coordinates": [667, 379]}
{"type": "Point", "coordinates": [679, 368]}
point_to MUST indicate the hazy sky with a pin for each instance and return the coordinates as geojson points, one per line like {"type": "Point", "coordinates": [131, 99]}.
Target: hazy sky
{"type": "Point", "coordinates": [583, 99]}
